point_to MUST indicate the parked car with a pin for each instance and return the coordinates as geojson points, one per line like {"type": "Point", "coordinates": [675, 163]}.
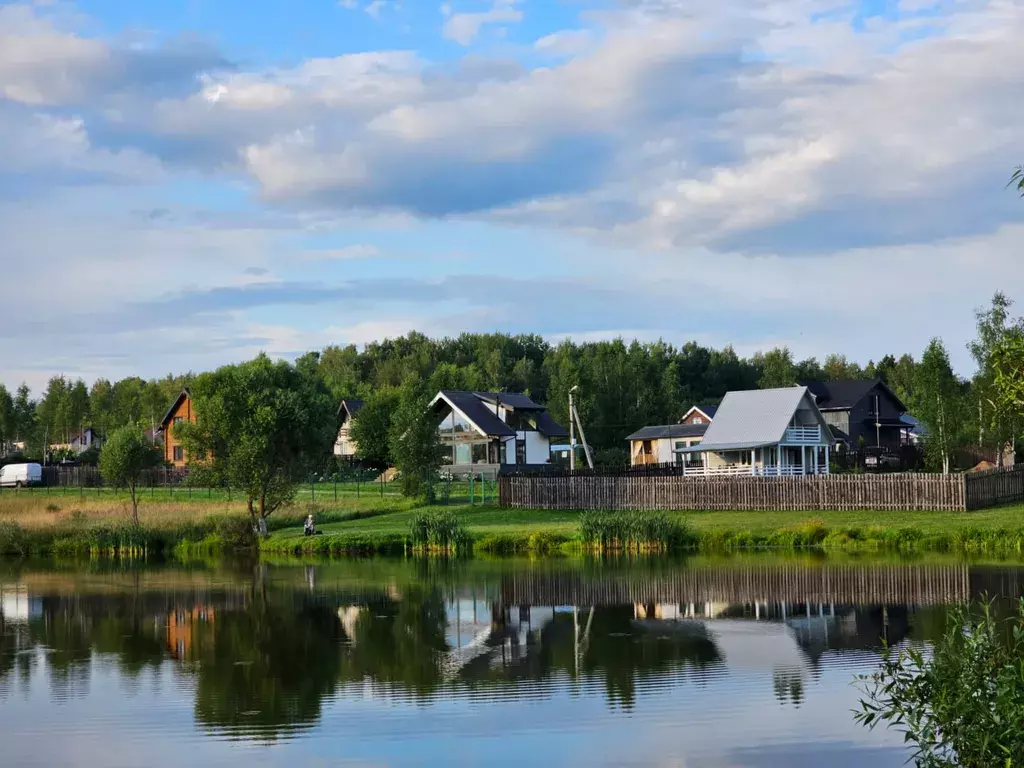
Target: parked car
{"type": "Point", "coordinates": [20, 475]}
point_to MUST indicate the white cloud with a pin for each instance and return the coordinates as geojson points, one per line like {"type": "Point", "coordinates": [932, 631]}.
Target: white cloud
{"type": "Point", "coordinates": [464, 28]}
{"type": "Point", "coordinates": [793, 177]}
{"type": "Point", "coordinates": [569, 42]}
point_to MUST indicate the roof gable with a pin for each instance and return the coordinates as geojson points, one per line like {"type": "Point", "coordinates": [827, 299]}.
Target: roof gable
{"type": "Point", "coordinates": [479, 409]}
{"type": "Point", "coordinates": [184, 395]}
{"type": "Point", "coordinates": [755, 417]}
{"type": "Point", "coordinates": [708, 411]}
{"type": "Point", "coordinates": [845, 394]}
{"type": "Point", "coordinates": [349, 408]}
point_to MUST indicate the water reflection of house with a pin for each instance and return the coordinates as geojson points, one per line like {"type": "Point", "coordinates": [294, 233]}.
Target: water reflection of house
{"type": "Point", "coordinates": [17, 606]}
{"type": "Point", "coordinates": [181, 627]}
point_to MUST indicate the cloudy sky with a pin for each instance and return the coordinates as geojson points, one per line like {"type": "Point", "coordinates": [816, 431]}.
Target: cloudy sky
{"type": "Point", "coordinates": [186, 182]}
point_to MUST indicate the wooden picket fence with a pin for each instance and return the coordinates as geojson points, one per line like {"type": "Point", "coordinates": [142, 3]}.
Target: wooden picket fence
{"type": "Point", "coordinates": [994, 487]}
{"type": "Point", "coordinates": [666, 490]}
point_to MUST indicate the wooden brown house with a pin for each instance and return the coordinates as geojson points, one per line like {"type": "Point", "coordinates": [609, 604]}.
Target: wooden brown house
{"type": "Point", "coordinates": [180, 410]}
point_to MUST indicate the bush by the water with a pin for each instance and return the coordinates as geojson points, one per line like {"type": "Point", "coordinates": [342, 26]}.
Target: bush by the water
{"type": "Point", "coordinates": [438, 531]}
{"type": "Point", "coordinates": [637, 530]}
{"type": "Point", "coordinates": [963, 705]}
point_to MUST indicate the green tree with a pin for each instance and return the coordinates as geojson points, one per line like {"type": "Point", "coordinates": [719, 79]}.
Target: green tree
{"type": "Point", "coordinates": [998, 420]}
{"type": "Point", "coordinates": [937, 402]}
{"type": "Point", "coordinates": [261, 427]}
{"type": "Point", "coordinates": [101, 406]}
{"type": "Point", "coordinates": [961, 704]}
{"type": "Point", "coordinates": [1018, 179]}
{"type": "Point", "coordinates": [8, 425]}
{"type": "Point", "coordinates": [777, 368]}
{"type": "Point", "coordinates": [415, 445]}
{"type": "Point", "coordinates": [125, 457]}
{"type": "Point", "coordinates": [837, 368]}
{"type": "Point", "coordinates": [371, 428]}
{"type": "Point", "coordinates": [24, 413]}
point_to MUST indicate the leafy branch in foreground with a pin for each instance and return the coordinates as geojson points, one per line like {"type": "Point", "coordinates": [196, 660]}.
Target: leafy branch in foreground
{"type": "Point", "coordinates": [964, 704]}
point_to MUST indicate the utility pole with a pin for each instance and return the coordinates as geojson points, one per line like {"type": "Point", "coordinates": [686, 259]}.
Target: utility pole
{"type": "Point", "coordinates": [574, 418]}
{"type": "Point", "coordinates": [572, 432]}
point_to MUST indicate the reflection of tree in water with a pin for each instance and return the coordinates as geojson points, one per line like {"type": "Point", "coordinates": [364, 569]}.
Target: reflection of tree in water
{"type": "Point", "coordinates": [399, 642]}
{"type": "Point", "coordinates": [625, 651]}
{"type": "Point", "coordinates": [617, 648]}
{"type": "Point", "coordinates": [788, 686]}
{"type": "Point", "coordinates": [265, 668]}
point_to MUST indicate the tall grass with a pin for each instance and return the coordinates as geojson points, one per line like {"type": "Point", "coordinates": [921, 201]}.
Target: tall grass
{"type": "Point", "coordinates": [638, 531]}
{"type": "Point", "coordinates": [439, 532]}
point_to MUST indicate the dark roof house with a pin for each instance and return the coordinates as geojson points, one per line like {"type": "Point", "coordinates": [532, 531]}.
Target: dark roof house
{"type": "Point", "coordinates": [344, 445]}
{"type": "Point", "coordinates": [495, 427]}
{"type": "Point", "coordinates": [860, 412]}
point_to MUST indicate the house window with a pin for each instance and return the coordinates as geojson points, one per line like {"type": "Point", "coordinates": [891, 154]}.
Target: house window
{"type": "Point", "coordinates": [479, 453]}
{"type": "Point", "coordinates": [179, 453]}
{"type": "Point", "coordinates": [697, 420]}
{"type": "Point", "coordinates": [520, 451]}
{"type": "Point", "coordinates": [178, 420]}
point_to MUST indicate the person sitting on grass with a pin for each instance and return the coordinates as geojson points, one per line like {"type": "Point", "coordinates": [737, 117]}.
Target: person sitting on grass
{"type": "Point", "coordinates": [309, 529]}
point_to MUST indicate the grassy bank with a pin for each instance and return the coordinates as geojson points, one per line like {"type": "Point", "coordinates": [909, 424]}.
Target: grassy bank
{"type": "Point", "coordinates": [49, 524]}
{"type": "Point", "coordinates": [45, 524]}
{"type": "Point", "coordinates": [493, 530]}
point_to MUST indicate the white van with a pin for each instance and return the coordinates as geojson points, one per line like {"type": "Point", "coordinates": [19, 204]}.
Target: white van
{"type": "Point", "coordinates": [20, 475]}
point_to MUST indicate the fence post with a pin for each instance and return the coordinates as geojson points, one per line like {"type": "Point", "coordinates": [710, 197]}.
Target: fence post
{"type": "Point", "coordinates": [382, 485]}
{"type": "Point", "coordinates": [359, 483]}
{"type": "Point", "coordinates": [335, 489]}
{"type": "Point", "coordinates": [312, 490]}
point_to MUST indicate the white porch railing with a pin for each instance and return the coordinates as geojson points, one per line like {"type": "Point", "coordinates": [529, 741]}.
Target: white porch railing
{"type": "Point", "coordinates": [745, 469]}
{"type": "Point", "coordinates": [802, 436]}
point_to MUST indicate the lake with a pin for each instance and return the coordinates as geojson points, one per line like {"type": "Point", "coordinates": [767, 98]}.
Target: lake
{"type": "Point", "coordinates": [703, 663]}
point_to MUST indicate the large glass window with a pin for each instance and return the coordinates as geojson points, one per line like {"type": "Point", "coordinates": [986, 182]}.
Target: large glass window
{"type": "Point", "coordinates": [479, 453]}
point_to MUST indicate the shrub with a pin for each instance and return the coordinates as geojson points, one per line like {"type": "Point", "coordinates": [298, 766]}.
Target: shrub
{"type": "Point", "coordinates": [962, 705]}
{"type": "Point", "coordinates": [13, 539]}
{"type": "Point", "coordinates": [235, 532]}
{"type": "Point", "coordinates": [51, 507]}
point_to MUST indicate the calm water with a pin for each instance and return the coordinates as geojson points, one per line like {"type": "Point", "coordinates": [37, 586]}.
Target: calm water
{"type": "Point", "coordinates": [702, 663]}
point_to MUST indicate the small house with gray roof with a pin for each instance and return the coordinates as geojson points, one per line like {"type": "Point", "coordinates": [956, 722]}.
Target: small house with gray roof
{"type": "Point", "coordinates": [494, 428]}
{"type": "Point", "coordinates": [768, 432]}
{"type": "Point", "coordinates": [667, 443]}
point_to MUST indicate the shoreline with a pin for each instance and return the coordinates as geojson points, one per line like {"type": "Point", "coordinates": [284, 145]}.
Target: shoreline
{"type": "Point", "coordinates": [33, 526]}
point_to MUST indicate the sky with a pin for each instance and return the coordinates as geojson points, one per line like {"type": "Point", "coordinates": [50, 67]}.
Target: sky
{"type": "Point", "coordinates": [185, 183]}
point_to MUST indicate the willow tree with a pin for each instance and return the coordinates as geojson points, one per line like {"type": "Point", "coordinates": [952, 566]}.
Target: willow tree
{"type": "Point", "coordinates": [261, 427]}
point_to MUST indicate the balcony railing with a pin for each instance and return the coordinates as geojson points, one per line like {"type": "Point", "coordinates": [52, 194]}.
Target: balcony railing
{"type": "Point", "coordinates": [758, 471]}
{"type": "Point", "coordinates": [802, 436]}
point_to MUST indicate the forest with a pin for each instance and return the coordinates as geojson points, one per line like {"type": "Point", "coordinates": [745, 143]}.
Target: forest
{"type": "Point", "coordinates": [623, 385]}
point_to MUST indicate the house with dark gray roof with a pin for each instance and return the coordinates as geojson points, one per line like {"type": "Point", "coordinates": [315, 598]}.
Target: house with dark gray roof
{"type": "Point", "coordinates": [494, 428]}
{"type": "Point", "coordinates": [344, 446]}
{"type": "Point", "coordinates": [861, 412]}
{"type": "Point", "coordinates": [769, 432]}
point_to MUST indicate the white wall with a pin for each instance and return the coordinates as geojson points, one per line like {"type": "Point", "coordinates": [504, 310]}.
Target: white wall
{"type": "Point", "coordinates": [538, 448]}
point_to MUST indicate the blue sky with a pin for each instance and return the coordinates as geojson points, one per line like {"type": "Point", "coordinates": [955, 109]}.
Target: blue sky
{"type": "Point", "coordinates": [186, 183]}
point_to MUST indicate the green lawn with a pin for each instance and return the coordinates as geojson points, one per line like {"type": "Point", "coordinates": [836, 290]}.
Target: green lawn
{"type": "Point", "coordinates": [483, 520]}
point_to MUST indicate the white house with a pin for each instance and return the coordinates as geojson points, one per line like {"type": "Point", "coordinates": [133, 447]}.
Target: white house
{"type": "Point", "coordinates": [494, 428]}
{"type": "Point", "coordinates": [344, 446]}
{"type": "Point", "coordinates": [85, 440]}
{"type": "Point", "coordinates": [765, 432]}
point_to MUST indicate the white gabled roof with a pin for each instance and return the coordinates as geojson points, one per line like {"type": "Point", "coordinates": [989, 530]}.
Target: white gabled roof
{"type": "Point", "coordinates": [755, 418]}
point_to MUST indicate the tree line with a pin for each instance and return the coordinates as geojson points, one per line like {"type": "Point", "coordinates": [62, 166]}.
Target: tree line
{"type": "Point", "coordinates": [622, 385]}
